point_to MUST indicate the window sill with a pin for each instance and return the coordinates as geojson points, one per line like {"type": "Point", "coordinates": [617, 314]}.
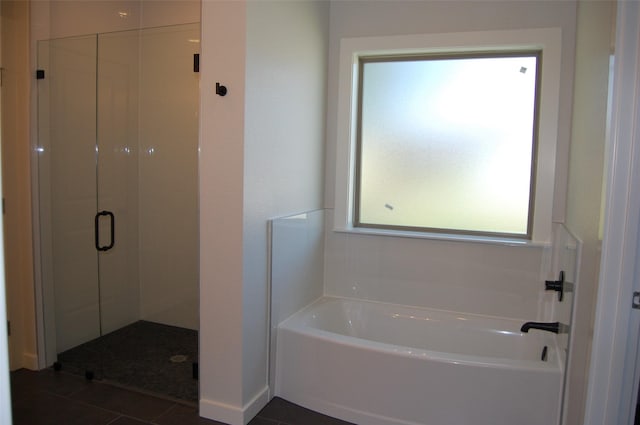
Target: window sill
{"type": "Point", "coordinates": [447, 237]}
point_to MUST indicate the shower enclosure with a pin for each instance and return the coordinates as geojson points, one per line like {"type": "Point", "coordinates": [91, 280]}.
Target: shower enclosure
{"type": "Point", "coordinates": [117, 182]}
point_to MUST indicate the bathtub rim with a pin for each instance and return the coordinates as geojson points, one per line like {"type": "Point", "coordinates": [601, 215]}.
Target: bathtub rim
{"type": "Point", "coordinates": [293, 324]}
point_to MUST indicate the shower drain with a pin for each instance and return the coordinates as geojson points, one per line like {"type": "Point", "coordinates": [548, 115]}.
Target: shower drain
{"type": "Point", "coordinates": [178, 358]}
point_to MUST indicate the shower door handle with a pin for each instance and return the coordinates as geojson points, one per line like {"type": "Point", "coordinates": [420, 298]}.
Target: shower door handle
{"type": "Point", "coordinates": [97, 228]}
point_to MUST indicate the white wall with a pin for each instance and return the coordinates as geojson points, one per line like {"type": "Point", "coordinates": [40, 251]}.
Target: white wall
{"type": "Point", "coordinates": [481, 278]}
{"type": "Point", "coordinates": [478, 278]}
{"type": "Point", "coordinates": [586, 169]}
{"type": "Point", "coordinates": [261, 156]}
{"type": "Point", "coordinates": [16, 185]}
{"type": "Point", "coordinates": [64, 18]}
{"type": "Point", "coordinates": [221, 168]}
{"type": "Point", "coordinates": [379, 18]}
{"type": "Point", "coordinates": [614, 378]}
{"type": "Point", "coordinates": [284, 145]}
{"type": "Point", "coordinates": [5, 388]}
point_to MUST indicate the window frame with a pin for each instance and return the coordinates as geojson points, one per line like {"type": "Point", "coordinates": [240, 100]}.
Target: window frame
{"type": "Point", "coordinates": [364, 59]}
{"type": "Point", "coordinates": [545, 40]}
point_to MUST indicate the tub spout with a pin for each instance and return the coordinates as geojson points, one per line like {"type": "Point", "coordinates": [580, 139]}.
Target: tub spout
{"type": "Point", "coordinates": [555, 327]}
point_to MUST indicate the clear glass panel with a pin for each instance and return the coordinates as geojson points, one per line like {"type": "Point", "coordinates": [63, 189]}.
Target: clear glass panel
{"type": "Point", "coordinates": [168, 170]}
{"type": "Point", "coordinates": [147, 176]}
{"type": "Point", "coordinates": [118, 79]}
{"type": "Point", "coordinates": [67, 187]}
{"type": "Point", "coordinates": [448, 143]}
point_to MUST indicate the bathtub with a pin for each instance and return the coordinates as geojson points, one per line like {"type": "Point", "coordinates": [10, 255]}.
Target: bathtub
{"type": "Point", "coordinates": [378, 364]}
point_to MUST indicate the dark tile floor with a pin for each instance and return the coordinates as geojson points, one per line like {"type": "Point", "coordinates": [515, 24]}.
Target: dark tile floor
{"type": "Point", "coordinates": [140, 355]}
{"type": "Point", "coordinates": [55, 398]}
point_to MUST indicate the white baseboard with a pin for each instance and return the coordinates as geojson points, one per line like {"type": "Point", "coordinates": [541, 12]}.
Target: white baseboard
{"type": "Point", "coordinates": [256, 404]}
{"type": "Point", "coordinates": [234, 415]}
{"type": "Point", "coordinates": [30, 361]}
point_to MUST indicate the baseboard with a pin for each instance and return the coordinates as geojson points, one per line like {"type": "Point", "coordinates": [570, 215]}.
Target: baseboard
{"type": "Point", "coordinates": [30, 361]}
{"type": "Point", "coordinates": [221, 412]}
{"type": "Point", "coordinates": [234, 415]}
{"type": "Point", "coordinates": [256, 404]}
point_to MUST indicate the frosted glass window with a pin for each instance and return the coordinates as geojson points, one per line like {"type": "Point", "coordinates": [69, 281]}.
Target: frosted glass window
{"type": "Point", "coordinates": [447, 143]}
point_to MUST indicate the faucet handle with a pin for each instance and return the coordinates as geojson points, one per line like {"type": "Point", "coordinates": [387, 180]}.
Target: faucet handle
{"type": "Point", "coordinates": [556, 285]}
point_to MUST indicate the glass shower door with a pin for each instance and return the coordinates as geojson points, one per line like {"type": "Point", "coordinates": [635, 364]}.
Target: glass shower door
{"type": "Point", "coordinates": [117, 164]}
{"type": "Point", "coordinates": [147, 137]}
{"type": "Point", "coordinates": [68, 188]}
{"type": "Point", "coordinates": [84, 198]}
{"type": "Point", "coordinates": [117, 178]}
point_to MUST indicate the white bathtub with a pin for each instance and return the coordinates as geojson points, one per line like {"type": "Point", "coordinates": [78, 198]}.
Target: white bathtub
{"type": "Point", "coordinates": [378, 364]}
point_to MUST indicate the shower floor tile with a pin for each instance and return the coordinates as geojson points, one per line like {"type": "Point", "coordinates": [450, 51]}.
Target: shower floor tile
{"type": "Point", "coordinates": [144, 355]}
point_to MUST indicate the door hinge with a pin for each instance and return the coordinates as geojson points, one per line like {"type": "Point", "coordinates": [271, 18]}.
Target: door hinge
{"type": "Point", "coordinates": [8, 328]}
{"type": "Point", "coordinates": [635, 302]}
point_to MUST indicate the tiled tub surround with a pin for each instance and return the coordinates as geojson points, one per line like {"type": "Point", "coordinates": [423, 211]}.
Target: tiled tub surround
{"type": "Point", "coordinates": [381, 364]}
{"type": "Point", "coordinates": [497, 278]}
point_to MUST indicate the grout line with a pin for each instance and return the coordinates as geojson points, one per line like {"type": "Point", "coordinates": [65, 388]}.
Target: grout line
{"type": "Point", "coordinates": [72, 376]}
{"type": "Point", "coordinates": [102, 407]}
{"type": "Point", "coordinates": [154, 420]}
{"type": "Point", "coordinates": [274, 421]}
{"type": "Point", "coordinates": [170, 408]}
{"type": "Point", "coordinates": [149, 393]}
{"type": "Point", "coordinates": [146, 422]}
{"type": "Point", "coordinates": [115, 419]}
{"type": "Point", "coordinates": [87, 386]}
{"type": "Point", "coordinates": [84, 403]}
